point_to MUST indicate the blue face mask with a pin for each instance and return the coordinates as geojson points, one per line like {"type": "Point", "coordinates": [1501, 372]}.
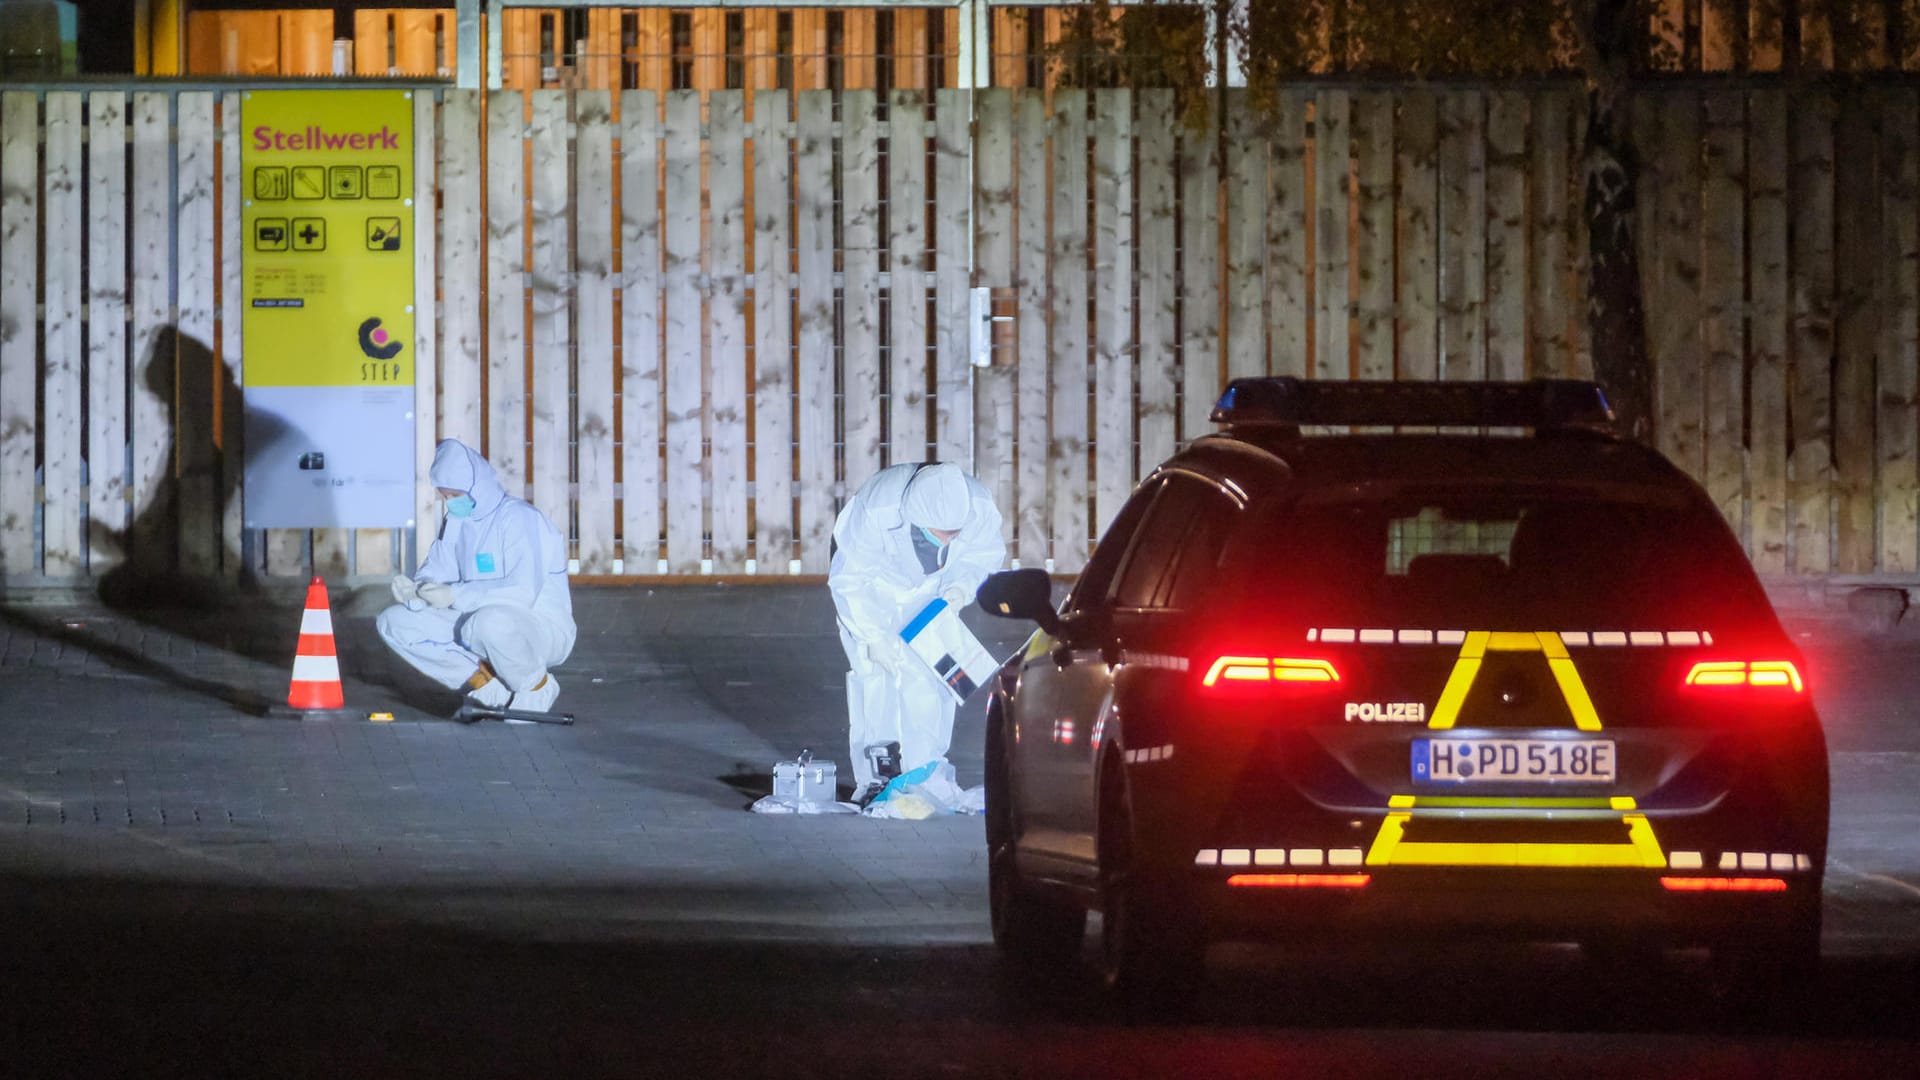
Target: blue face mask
{"type": "Point", "coordinates": [928, 535]}
{"type": "Point", "coordinates": [460, 506]}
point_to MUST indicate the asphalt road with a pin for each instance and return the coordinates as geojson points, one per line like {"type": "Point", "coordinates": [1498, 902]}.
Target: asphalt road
{"type": "Point", "coordinates": [189, 887]}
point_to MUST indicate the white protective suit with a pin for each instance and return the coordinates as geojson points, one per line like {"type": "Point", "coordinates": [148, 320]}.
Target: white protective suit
{"type": "Point", "coordinates": [507, 567]}
{"type": "Point", "coordinates": [879, 582]}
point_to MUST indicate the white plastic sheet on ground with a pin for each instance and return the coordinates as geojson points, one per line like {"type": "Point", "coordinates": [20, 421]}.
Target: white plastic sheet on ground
{"type": "Point", "coordinates": [926, 791]}
{"type": "Point", "coordinates": [776, 804]}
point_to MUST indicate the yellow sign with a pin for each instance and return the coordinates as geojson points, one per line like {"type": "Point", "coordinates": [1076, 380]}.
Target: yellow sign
{"type": "Point", "coordinates": [327, 274]}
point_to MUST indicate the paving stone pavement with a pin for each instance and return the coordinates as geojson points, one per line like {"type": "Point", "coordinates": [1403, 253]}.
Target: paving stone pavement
{"type": "Point", "coordinates": [145, 748]}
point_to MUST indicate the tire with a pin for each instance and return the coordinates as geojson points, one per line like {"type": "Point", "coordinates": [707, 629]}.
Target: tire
{"type": "Point", "coordinates": [1152, 949]}
{"type": "Point", "coordinates": [1030, 928]}
{"type": "Point", "coordinates": [1767, 977]}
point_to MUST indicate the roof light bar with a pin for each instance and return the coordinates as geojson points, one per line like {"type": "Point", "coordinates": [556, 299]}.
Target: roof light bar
{"type": "Point", "coordinates": [1537, 403]}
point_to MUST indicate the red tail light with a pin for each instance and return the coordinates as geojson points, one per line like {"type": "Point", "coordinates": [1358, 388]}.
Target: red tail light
{"type": "Point", "coordinates": [1778, 675]}
{"type": "Point", "coordinates": [1269, 669]}
{"type": "Point", "coordinates": [1724, 884]}
{"type": "Point", "coordinates": [1300, 881]}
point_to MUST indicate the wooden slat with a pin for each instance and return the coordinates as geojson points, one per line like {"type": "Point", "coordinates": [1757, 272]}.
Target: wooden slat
{"type": "Point", "coordinates": [1159, 290]}
{"type": "Point", "coordinates": [551, 330]}
{"type": "Point", "coordinates": [1332, 213]}
{"type": "Point", "coordinates": [1113, 304]}
{"type": "Point", "coordinates": [1857, 246]}
{"type": "Point", "coordinates": [860, 266]}
{"type": "Point", "coordinates": [232, 416]}
{"type": "Point", "coordinates": [1506, 247]}
{"type": "Point", "coordinates": [506, 290]}
{"type": "Point", "coordinates": [462, 275]}
{"type": "Point", "coordinates": [1289, 315]}
{"type": "Point", "coordinates": [1032, 522]}
{"type": "Point", "coordinates": [727, 328]}
{"type": "Point", "coordinates": [19, 359]}
{"type": "Point", "coordinates": [1549, 320]}
{"type": "Point", "coordinates": [1463, 220]}
{"type": "Point", "coordinates": [906, 260]}
{"type": "Point", "coordinates": [1067, 449]}
{"type": "Point", "coordinates": [682, 367]}
{"type": "Point", "coordinates": [197, 260]}
{"type": "Point", "coordinates": [1373, 242]}
{"type": "Point", "coordinates": [107, 517]}
{"type": "Point", "coordinates": [593, 297]}
{"type": "Point", "coordinates": [1894, 421]}
{"type": "Point", "coordinates": [772, 333]}
{"type": "Point", "coordinates": [813, 190]}
{"type": "Point", "coordinates": [1200, 352]}
{"type": "Point", "coordinates": [1246, 229]}
{"type": "Point", "coordinates": [1416, 152]}
{"type": "Point", "coordinates": [1810, 406]}
{"type": "Point", "coordinates": [1674, 323]}
{"type": "Point", "coordinates": [994, 424]}
{"type": "Point", "coordinates": [64, 554]}
{"type": "Point", "coordinates": [1722, 301]}
{"type": "Point", "coordinates": [1768, 328]}
{"type": "Point", "coordinates": [640, 403]}
{"type": "Point", "coordinates": [151, 545]}
{"type": "Point", "coordinates": [426, 337]}
{"type": "Point", "coordinates": [953, 243]}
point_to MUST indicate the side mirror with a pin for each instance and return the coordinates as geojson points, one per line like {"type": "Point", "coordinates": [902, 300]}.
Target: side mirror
{"type": "Point", "coordinates": [1020, 594]}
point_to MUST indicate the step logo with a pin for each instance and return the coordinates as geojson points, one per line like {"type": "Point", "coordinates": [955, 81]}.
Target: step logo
{"type": "Point", "coordinates": [376, 342]}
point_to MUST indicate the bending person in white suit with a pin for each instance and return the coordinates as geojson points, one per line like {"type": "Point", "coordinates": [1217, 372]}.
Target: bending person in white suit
{"type": "Point", "coordinates": [911, 533]}
{"type": "Point", "coordinates": [490, 611]}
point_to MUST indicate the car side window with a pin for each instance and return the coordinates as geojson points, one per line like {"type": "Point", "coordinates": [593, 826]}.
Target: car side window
{"type": "Point", "coordinates": [1178, 546]}
{"type": "Point", "coordinates": [1090, 590]}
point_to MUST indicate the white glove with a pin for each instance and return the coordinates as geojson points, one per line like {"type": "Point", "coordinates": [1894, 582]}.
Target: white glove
{"type": "Point", "coordinates": [887, 653]}
{"type": "Point", "coordinates": [435, 593]}
{"type": "Point", "coordinates": [404, 590]}
{"type": "Point", "coordinates": [956, 596]}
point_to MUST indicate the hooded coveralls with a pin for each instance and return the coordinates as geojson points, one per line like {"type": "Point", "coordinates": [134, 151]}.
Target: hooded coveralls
{"type": "Point", "coordinates": [507, 565]}
{"type": "Point", "coordinates": [880, 579]}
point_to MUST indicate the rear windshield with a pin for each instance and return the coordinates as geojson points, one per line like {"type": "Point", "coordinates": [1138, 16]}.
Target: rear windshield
{"type": "Point", "coordinates": [1477, 557]}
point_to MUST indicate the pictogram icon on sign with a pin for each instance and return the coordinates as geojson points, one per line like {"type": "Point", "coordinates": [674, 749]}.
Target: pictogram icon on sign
{"type": "Point", "coordinates": [383, 234]}
{"type": "Point", "coordinates": [383, 181]}
{"type": "Point", "coordinates": [309, 234]}
{"type": "Point", "coordinates": [344, 181]}
{"type": "Point", "coordinates": [309, 182]}
{"type": "Point", "coordinates": [269, 183]}
{"type": "Point", "coordinates": [270, 234]}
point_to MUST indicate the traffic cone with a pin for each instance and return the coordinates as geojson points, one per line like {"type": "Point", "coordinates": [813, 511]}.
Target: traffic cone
{"type": "Point", "coordinates": [316, 670]}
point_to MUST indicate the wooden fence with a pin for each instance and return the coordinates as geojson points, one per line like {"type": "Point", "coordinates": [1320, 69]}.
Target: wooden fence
{"type": "Point", "coordinates": [687, 325]}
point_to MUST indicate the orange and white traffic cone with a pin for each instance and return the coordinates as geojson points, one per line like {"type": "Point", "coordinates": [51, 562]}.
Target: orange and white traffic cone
{"type": "Point", "coordinates": [316, 670]}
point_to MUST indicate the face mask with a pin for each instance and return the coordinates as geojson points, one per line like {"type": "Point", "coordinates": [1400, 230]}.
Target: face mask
{"type": "Point", "coordinates": [460, 506]}
{"type": "Point", "coordinates": [930, 537]}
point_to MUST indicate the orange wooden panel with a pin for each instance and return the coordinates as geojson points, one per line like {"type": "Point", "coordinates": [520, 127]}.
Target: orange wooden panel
{"type": "Point", "coordinates": [910, 48]}
{"type": "Point", "coordinates": [418, 41]}
{"type": "Point", "coordinates": [857, 48]}
{"type": "Point", "coordinates": [709, 49]}
{"type": "Point", "coordinates": [203, 43]}
{"type": "Point", "coordinates": [370, 42]}
{"type": "Point", "coordinates": [763, 65]}
{"type": "Point", "coordinates": [602, 63]}
{"type": "Point", "coordinates": [1010, 46]}
{"type": "Point", "coordinates": [306, 42]}
{"type": "Point", "coordinates": [809, 49]}
{"type": "Point", "coordinates": [520, 47]}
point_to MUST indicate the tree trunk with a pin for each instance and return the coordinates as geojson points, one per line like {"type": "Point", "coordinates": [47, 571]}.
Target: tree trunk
{"type": "Point", "coordinates": [1613, 33]}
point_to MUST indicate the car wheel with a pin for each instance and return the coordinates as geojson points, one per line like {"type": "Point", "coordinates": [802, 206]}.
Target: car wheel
{"type": "Point", "coordinates": [1029, 927]}
{"type": "Point", "coordinates": [1152, 952]}
{"type": "Point", "coordinates": [1767, 976]}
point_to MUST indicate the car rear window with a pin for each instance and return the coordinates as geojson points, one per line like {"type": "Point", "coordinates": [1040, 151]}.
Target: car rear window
{"type": "Point", "coordinates": [1490, 557]}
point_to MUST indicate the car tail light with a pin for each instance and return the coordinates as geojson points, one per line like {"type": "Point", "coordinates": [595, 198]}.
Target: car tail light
{"type": "Point", "coordinates": [1300, 881]}
{"type": "Point", "coordinates": [1780, 675]}
{"type": "Point", "coordinates": [1724, 884]}
{"type": "Point", "coordinates": [1230, 670]}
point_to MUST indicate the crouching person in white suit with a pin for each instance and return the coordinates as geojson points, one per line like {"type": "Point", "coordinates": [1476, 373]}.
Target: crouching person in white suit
{"type": "Point", "coordinates": [911, 533]}
{"type": "Point", "coordinates": [490, 611]}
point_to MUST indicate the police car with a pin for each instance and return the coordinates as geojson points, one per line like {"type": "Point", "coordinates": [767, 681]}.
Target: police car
{"type": "Point", "coordinates": [1416, 659]}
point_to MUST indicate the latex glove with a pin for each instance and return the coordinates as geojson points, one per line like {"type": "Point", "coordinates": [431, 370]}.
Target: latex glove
{"type": "Point", "coordinates": [404, 590]}
{"type": "Point", "coordinates": [435, 593]}
{"type": "Point", "coordinates": [888, 653]}
{"type": "Point", "coordinates": [956, 596]}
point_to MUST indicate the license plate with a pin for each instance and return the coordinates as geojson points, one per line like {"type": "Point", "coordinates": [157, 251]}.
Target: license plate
{"type": "Point", "coordinates": [1551, 761]}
